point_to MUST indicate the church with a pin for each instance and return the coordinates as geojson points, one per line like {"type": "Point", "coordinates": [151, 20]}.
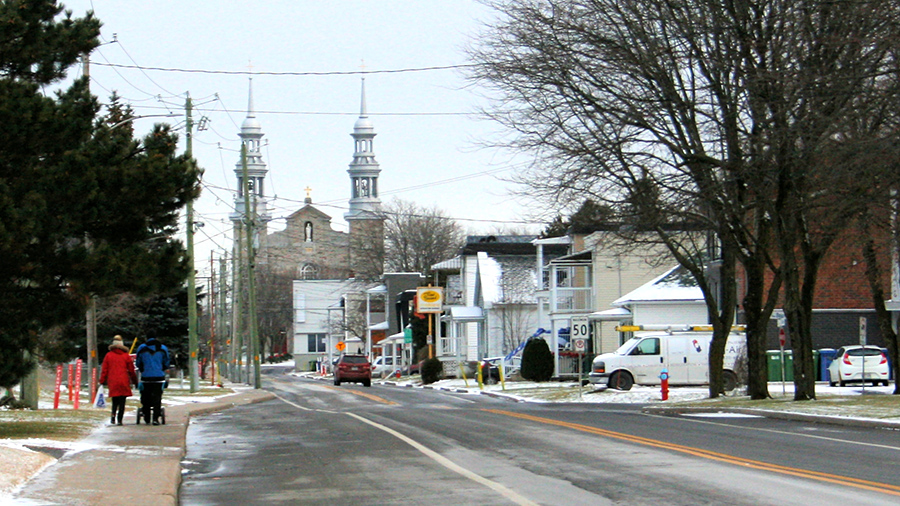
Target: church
{"type": "Point", "coordinates": [308, 246]}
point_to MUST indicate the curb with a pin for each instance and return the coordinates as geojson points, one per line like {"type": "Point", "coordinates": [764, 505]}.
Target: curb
{"type": "Point", "coordinates": [777, 415]}
{"type": "Point", "coordinates": [151, 456]}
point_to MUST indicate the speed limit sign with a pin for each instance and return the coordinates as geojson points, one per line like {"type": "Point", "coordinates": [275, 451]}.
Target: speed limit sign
{"type": "Point", "coordinates": [581, 328]}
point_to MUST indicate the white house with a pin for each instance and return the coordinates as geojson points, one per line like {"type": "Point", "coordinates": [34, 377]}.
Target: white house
{"type": "Point", "coordinates": [491, 304]}
{"type": "Point", "coordinates": [317, 307]}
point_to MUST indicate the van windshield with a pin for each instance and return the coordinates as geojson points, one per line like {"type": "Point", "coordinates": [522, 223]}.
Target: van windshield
{"type": "Point", "coordinates": [625, 348]}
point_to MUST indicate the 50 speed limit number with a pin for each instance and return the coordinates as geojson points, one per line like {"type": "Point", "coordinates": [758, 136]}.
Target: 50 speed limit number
{"type": "Point", "coordinates": [580, 332]}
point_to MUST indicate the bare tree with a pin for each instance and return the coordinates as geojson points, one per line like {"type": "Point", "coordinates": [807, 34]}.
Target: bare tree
{"type": "Point", "coordinates": [274, 306]}
{"type": "Point", "coordinates": [417, 237]}
{"type": "Point", "coordinates": [724, 128]}
{"type": "Point", "coordinates": [517, 307]}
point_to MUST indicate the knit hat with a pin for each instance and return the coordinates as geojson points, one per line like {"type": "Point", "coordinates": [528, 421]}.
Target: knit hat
{"type": "Point", "coordinates": [118, 343]}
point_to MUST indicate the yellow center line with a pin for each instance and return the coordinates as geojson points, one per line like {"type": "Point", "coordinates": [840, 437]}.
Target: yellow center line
{"type": "Point", "coordinates": [362, 394]}
{"type": "Point", "coordinates": [721, 457]}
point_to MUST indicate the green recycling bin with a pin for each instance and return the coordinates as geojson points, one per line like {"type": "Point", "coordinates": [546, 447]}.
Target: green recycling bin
{"type": "Point", "coordinates": [773, 361]}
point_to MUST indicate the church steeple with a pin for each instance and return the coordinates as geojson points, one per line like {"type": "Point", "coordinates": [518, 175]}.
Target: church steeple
{"type": "Point", "coordinates": [251, 134]}
{"type": "Point", "coordinates": [364, 170]}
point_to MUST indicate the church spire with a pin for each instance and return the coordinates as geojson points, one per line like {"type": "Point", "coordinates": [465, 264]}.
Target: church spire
{"type": "Point", "coordinates": [251, 134]}
{"type": "Point", "coordinates": [364, 170]}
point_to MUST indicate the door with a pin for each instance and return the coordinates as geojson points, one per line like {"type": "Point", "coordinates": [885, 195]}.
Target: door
{"type": "Point", "coordinates": [677, 353]}
{"type": "Point", "coordinates": [646, 361]}
{"type": "Point", "coordinates": [698, 359]}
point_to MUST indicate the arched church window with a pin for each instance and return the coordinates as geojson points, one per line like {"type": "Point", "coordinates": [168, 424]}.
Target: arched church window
{"type": "Point", "coordinates": [308, 271]}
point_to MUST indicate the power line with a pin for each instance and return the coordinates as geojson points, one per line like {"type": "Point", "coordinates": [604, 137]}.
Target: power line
{"type": "Point", "coordinates": [325, 73]}
{"type": "Point", "coordinates": [321, 113]}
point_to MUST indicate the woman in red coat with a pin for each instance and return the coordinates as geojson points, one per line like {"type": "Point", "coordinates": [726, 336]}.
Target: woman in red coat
{"type": "Point", "coordinates": [118, 374]}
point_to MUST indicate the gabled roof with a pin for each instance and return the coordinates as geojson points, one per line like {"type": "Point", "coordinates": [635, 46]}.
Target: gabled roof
{"type": "Point", "coordinates": [503, 245]}
{"type": "Point", "coordinates": [677, 284]}
{"type": "Point", "coordinates": [308, 210]}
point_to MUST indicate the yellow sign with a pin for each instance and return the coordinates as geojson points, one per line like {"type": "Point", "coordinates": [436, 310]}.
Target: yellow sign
{"type": "Point", "coordinates": [340, 345]}
{"type": "Point", "coordinates": [429, 299]}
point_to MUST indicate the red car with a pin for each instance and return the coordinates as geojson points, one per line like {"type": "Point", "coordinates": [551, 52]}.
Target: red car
{"type": "Point", "coordinates": [354, 368]}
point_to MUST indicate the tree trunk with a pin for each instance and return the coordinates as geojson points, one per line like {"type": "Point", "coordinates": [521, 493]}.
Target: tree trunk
{"type": "Point", "coordinates": [721, 315]}
{"type": "Point", "coordinates": [884, 318]}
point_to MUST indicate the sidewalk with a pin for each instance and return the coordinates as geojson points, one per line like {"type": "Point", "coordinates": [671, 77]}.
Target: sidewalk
{"type": "Point", "coordinates": [131, 465]}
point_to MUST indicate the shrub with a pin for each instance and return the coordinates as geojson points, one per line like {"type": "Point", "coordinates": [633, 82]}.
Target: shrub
{"type": "Point", "coordinates": [537, 361]}
{"type": "Point", "coordinates": [432, 370]}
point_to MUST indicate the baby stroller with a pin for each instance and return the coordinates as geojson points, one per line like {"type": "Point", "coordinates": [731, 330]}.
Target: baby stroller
{"type": "Point", "coordinates": [162, 409]}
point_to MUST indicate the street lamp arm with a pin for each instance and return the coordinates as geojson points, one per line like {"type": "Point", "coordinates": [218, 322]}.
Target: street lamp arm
{"type": "Point", "coordinates": [129, 120]}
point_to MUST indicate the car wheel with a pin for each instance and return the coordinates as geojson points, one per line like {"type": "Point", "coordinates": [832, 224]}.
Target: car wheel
{"type": "Point", "coordinates": [886, 383]}
{"type": "Point", "coordinates": [621, 380]}
{"type": "Point", "coordinates": [367, 383]}
{"type": "Point", "coordinates": [729, 381]}
{"type": "Point", "coordinates": [842, 383]}
{"type": "Point", "coordinates": [337, 381]}
{"type": "Point", "coordinates": [831, 383]}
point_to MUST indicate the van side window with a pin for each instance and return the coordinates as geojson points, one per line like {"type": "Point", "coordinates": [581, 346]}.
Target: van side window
{"type": "Point", "coordinates": [647, 347]}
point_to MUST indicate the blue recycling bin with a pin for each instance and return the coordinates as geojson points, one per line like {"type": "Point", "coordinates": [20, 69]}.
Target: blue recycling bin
{"type": "Point", "coordinates": [826, 357]}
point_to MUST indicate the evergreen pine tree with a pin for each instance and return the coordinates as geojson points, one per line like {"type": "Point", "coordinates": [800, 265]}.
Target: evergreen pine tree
{"type": "Point", "coordinates": [85, 209]}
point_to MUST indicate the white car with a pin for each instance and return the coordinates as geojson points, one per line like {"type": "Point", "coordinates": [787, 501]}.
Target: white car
{"type": "Point", "coordinates": [382, 366]}
{"type": "Point", "coordinates": [847, 366]}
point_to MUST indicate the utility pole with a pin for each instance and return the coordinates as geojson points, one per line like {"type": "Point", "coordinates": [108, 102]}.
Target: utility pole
{"type": "Point", "coordinates": [212, 320]}
{"type": "Point", "coordinates": [220, 321]}
{"type": "Point", "coordinates": [237, 270]}
{"type": "Point", "coordinates": [90, 316]}
{"type": "Point", "coordinates": [250, 218]}
{"type": "Point", "coordinates": [192, 290]}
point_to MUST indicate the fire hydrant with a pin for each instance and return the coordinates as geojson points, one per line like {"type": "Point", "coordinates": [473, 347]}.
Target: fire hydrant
{"type": "Point", "coordinates": [664, 385]}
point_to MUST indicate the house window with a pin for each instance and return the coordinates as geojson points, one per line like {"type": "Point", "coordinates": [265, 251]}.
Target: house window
{"type": "Point", "coordinates": [316, 343]}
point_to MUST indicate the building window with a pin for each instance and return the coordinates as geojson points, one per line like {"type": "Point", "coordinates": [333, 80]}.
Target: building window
{"type": "Point", "coordinates": [316, 343]}
{"type": "Point", "coordinates": [308, 271]}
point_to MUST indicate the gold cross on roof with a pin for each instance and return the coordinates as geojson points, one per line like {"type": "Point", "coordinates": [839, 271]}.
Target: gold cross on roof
{"type": "Point", "coordinates": [308, 191]}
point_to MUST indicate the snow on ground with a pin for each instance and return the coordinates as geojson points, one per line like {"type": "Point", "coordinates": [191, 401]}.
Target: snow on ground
{"type": "Point", "coordinates": [19, 463]}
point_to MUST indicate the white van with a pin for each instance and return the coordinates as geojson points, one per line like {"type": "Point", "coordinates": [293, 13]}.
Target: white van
{"type": "Point", "coordinates": [685, 355]}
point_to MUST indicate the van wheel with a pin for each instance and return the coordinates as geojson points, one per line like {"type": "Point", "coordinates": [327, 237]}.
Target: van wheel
{"type": "Point", "coordinates": [729, 380]}
{"type": "Point", "coordinates": [621, 380]}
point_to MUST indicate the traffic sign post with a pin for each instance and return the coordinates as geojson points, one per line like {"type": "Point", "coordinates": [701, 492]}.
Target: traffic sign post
{"type": "Point", "coordinates": [580, 332]}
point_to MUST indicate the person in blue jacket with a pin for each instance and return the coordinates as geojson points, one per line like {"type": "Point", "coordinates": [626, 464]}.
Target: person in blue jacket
{"type": "Point", "coordinates": [153, 361]}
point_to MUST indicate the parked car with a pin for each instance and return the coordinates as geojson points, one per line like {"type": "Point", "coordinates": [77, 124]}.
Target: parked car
{"type": "Point", "coordinates": [383, 366]}
{"type": "Point", "coordinates": [685, 356]}
{"type": "Point", "coordinates": [847, 366]}
{"type": "Point", "coordinates": [353, 368]}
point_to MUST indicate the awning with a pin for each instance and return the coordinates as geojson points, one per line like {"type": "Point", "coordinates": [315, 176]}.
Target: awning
{"type": "Point", "coordinates": [376, 290]}
{"type": "Point", "coordinates": [611, 315]}
{"type": "Point", "coordinates": [379, 326]}
{"type": "Point", "coordinates": [464, 314]}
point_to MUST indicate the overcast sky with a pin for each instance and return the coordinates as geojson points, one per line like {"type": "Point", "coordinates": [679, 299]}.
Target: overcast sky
{"type": "Point", "coordinates": [429, 137]}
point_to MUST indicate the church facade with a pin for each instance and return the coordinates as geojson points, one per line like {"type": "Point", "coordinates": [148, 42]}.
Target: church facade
{"type": "Point", "coordinates": [309, 247]}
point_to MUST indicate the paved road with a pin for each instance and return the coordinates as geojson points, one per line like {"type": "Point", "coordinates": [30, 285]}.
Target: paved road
{"type": "Point", "coordinates": [320, 444]}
